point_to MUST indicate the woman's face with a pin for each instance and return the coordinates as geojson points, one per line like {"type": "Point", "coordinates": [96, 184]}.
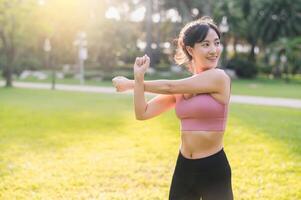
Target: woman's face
{"type": "Point", "coordinates": [206, 54]}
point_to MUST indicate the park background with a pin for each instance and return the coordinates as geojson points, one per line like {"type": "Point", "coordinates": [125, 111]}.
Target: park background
{"type": "Point", "coordinates": [75, 145]}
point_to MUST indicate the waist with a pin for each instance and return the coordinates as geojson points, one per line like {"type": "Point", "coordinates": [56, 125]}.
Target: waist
{"type": "Point", "coordinates": [198, 144]}
{"type": "Point", "coordinates": [201, 124]}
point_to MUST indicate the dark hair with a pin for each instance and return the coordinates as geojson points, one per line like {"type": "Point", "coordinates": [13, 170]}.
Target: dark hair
{"type": "Point", "coordinates": [193, 32]}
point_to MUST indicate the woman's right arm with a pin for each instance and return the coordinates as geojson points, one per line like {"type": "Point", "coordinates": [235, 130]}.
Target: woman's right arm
{"type": "Point", "coordinates": [157, 105]}
{"type": "Point", "coordinates": [146, 110]}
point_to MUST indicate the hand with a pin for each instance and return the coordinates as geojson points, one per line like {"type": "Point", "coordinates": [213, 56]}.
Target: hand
{"type": "Point", "coordinates": [122, 83]}
{"type": "Point", "coordinates": [141, 65]}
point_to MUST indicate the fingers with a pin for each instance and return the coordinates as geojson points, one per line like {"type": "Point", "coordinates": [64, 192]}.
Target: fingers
{"type": "Point", "coordinates": [137, 61]}
{"type": "Point", "coordinates": [115, 79]}
{"type": "Point", "coordinates": [147, 60]}
{"type": "Point", "coordinates": [142, 60]}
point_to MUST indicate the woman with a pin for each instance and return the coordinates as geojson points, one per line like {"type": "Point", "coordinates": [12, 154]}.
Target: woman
{"type": "Point", "coordinates": [201, 103]}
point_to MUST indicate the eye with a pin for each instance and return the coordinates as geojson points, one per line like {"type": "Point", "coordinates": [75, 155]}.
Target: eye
{"type": "Point", "coordinates": [217, 43]}
{"type": "Point", "coordinates": [205, 44]}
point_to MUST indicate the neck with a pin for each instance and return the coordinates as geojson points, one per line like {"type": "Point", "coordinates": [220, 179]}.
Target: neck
{"type": "Point", "coordinates": [196, 69]}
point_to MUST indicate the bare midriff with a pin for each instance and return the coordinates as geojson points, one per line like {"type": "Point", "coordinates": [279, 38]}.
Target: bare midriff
{"type": "Point", "coordinates": [200, 144]}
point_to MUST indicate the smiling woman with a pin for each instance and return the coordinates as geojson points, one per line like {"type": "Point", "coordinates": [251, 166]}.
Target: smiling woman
{"type": "Point", "coordinates": [201, 103]}
{"type": "Point", "coordinates": [197, 38]}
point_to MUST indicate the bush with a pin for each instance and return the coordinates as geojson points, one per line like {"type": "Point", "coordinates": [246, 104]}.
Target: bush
{"type": "Point", "coordinates": [242, 67]}
{"type": "Point", "coordinates": [265, 69]}
{"type": "Point", "coordinates": [28, 63]}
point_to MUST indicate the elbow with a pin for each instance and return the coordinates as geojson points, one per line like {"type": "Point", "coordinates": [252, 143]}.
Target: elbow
{"type": "Point", "coordinates": [140, 118]}
{"type": "Point", "coordinates": [139, 114]}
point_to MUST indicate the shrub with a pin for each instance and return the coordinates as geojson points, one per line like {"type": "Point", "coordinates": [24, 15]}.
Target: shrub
{"type": "Point", "coordinates": [242, 67]}
{"type": "Point", "coordinates": [265, 69]}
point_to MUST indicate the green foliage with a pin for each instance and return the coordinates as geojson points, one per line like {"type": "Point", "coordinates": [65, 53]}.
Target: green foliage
{"type": "Point", "coordinates": [116, 42]}
{"type": "Point", "coordinates": [278, 18]}
{"type": "Point", "coordinates": [31, 63]}
{"type": "Point", "coordinates": [291, 47]}
{"type": "Point", "coordinates": [14, 32]}
{"type": "Point", "coordinates": [265, 69]}
{"type": "Point", "coordinates": [113, 43]}
{"type": "Point", "coordinates": [242, 67]}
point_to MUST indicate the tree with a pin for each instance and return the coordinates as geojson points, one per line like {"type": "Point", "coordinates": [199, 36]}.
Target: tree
{"type": "Point", "coordinates": [278, 18]}
{"type": "Point", "coordinates": [277, 23]}
{"type": "Point", "coordinates": [15, 16]}
{"type": "Point", "coordinates": [62, 29]}
{"type": "Point", "coordinates": [288, 49]}
{"type": "Point", "coordinates": [115, 42]}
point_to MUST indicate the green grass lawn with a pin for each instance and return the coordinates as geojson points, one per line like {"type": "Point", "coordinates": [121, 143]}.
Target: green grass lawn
{"type": "Point", "coordinates": [67, 145]}
{"type": "Point", "coordinates": [267, 87]}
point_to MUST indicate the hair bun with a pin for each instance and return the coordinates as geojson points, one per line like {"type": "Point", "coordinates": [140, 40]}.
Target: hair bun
{"type": "Point", "coordinates": [206, 19]}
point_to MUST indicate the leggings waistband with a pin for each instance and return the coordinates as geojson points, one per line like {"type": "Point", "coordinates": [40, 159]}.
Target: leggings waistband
{"type": "Point", "coordinates": [204, 158]}
{"type": "Point", "coordinates": [215, 160]}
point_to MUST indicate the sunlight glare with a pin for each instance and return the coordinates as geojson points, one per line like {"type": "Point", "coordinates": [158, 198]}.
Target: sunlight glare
{"type": "Point", "coordinates": [112, 13]}
{"type": "Point", "coordinates": [138, 14]}
{"type": "Point", "coordinates": [173, 15]}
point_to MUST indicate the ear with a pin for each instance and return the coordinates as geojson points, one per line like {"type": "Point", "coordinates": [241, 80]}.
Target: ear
{"type": "Point", "coordinates": [189, 50]}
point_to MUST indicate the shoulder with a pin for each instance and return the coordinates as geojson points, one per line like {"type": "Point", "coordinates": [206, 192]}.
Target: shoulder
{"type": "Point", "coordinates": [216, 72]}
{"type": "Point", "coordinates": [223, 75]}
{"type": "Point", "coordinates": [220, 79]}
{"type": "Point", "coordinates": [218, 75]}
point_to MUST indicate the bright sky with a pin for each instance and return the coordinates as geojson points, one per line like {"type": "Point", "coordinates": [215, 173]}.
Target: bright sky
{"type": "Point", "coordinates": [139, 13]}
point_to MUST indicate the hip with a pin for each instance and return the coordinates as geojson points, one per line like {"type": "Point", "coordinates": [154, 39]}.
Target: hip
{"type": "Point", "coordinates": [217, 161]}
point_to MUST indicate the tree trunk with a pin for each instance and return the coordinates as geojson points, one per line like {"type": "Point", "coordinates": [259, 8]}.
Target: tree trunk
{"type": "Point", "coordinates": [287, 80]}
{"type": "Point", "coordinates": [252, 57]}
{"type": "Point", "coordinates": [8, 76]}
{"type": "Point", "coordinates": [234, 46]}
{"type": "Point", "coordinates": [277, 71]}
{"type": "Point", "coordinates": [8, 70]}
{"type": "Point", "coordinates": [224, 53]}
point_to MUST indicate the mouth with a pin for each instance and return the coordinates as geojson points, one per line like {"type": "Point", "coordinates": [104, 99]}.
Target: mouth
{"type": "Point", "coordinates": [212, 58]}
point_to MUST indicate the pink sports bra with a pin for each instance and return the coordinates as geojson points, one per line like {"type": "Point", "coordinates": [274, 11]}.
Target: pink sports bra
{"type": "Point", "coordinates": [201, 113]}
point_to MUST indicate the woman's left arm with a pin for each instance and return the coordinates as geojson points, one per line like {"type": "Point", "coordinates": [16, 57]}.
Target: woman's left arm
{"type": "Point", "coordinates": [210, 81]}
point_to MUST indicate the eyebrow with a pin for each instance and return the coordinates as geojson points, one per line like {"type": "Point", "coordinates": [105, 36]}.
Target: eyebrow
{"type": "Point", "coordinates": [216, 39]}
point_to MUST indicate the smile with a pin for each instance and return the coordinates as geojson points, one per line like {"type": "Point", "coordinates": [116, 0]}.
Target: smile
{"type": "Point", "coordinates": [212, 58]}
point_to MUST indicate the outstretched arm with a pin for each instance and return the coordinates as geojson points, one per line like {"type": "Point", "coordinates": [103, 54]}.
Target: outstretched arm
{"type": "Point", "coordinates": [209, 81]}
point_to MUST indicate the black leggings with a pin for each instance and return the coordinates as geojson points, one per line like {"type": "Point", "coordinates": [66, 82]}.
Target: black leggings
{"type": "Point", "coordinates": [207, 178]}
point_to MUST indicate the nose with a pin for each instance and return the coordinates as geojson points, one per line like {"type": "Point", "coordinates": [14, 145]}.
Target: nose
{"type": "Point", "coordinates": [212, 50]}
